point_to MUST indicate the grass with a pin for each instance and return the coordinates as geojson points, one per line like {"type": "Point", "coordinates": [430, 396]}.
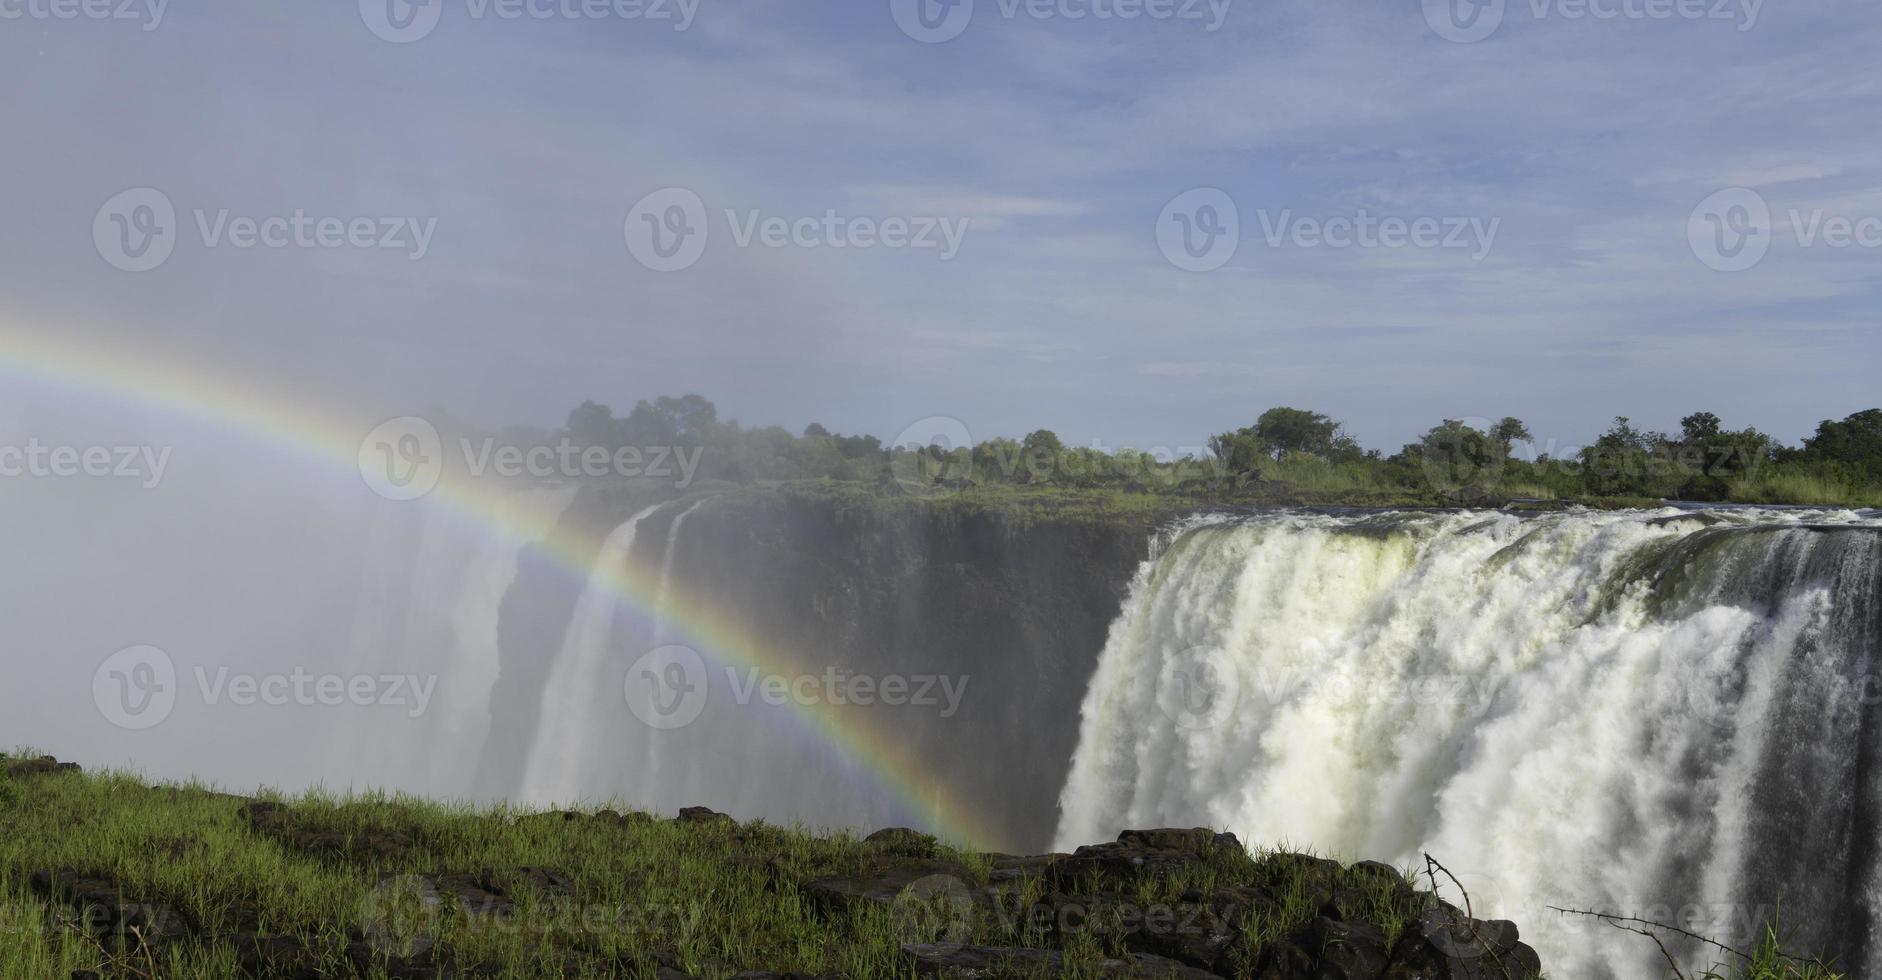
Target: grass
{"type": "Point", "coordinates": [1804, 489]}
{"type": "Point", "coordinates": [710, 899]}
{"type": "Point", "coordinates": [655, 887]}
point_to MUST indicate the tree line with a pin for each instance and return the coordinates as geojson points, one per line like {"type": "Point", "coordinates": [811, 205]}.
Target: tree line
{"type": "Point", "coordinates": [1290, 451]}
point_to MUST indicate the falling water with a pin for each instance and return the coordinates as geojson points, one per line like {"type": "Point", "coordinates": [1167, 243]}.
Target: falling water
{"type": "Point", "coordinates": [563, 758]}
{"type": "Point", "coordinates": [1669, 715]}
{"type": "Point", "coordinates": [428, 604]}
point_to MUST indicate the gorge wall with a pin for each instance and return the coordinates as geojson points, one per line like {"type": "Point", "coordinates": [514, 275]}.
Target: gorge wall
{"type": "Point", "coordinates": [1006, 613]}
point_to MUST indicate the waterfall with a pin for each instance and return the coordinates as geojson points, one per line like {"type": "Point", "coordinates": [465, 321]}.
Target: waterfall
{"type": "Point", "coordinates": [1663, 714]}
{"type": "Point", "coordinates": [460, 710]}
{"type": "Point", "coordinates": [563, 759]}
{"type": "Point", "coordinates": [431, 586]}
{"type": "Point", "coordinates": [665, 589]}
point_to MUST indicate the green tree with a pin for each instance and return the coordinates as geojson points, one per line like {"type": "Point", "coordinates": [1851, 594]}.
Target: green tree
{"type": "Point", "coordinates": [1854, 443]}
{"type": "Point", "coordinates": [1508, 432]}
{"type": "Point", "coordinates": [1040, 452]}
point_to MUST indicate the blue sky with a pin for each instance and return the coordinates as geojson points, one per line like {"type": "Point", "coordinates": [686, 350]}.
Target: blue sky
{"type": "Point", "coordinates": [1585, 142]}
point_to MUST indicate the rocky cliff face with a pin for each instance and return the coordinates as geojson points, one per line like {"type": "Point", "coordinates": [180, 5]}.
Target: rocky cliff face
{"type": "Point", "coordinates": [1010, 609]}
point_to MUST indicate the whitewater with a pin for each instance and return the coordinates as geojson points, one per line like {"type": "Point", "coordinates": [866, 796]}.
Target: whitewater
{"type": "Point", "coordinates": [1667, 714]}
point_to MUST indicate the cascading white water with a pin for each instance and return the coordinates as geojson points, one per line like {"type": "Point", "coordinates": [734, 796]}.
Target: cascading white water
{"type": "Point", "coordinates": [460, 709]}
{"type": "Point", "coordinates": [1666, 714]}
{"type": "Point", "coordinates": [563, 757]}
{"type": "Point", "coordinates": [664, 591]}
{"type": "Point", "coordinates": [428, 608]}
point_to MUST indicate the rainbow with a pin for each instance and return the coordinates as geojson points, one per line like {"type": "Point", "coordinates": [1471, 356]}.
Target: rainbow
{"type": "Point", "coordinates": [150, 380]}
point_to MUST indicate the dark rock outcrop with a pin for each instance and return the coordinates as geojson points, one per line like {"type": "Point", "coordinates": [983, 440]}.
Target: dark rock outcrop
{"type": "Point", "coordinates": [976, 962]}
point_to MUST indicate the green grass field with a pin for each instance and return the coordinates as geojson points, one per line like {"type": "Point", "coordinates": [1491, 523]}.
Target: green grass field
{"type": "Point", "coordinates": [103, 873]}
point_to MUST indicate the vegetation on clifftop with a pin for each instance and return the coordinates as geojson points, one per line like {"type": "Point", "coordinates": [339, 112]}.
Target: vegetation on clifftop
{"type": "Point", "coordinates": [1288, 456]}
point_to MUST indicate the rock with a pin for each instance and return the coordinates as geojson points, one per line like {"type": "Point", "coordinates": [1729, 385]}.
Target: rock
{"type": "Point", "coordinates": [1327, 949]}
{"type": "Point", "coordinates": [835, 897]}
{"type": "Point", "coordinates": [106, 912]}
{"type": "Point", "coordinates": [287, 957]}
{"type": "Point", "coordinates": [544, 882]}
{"type": "Point", "coordinates": [977, 962]}
{"type": "Point", "coordinates": [474, 895]}
{"type": "Point", "coordinates": [1380, 870]}
{"type": "Point", "coordinates": [903, 841]}
{"type": "Point", "coordinates": [45, 765]}
{"type": "Point", "coordinates": [1007, 867]}
{"type": "Point", "coordinates": [1140, 853]}
{"type": "Point", "coordinates": [609, 817]}
{"type": "Point", "coordinates": [1192, 932]}
{"type": "Point", "coordinates": [702, 815]}
{"type": "Point", "coordinates": [1348, 950]}
{"type": "Point", "coordinates": [1447, 945]}
{"type": "Point", "coordinates": [277, 821]}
